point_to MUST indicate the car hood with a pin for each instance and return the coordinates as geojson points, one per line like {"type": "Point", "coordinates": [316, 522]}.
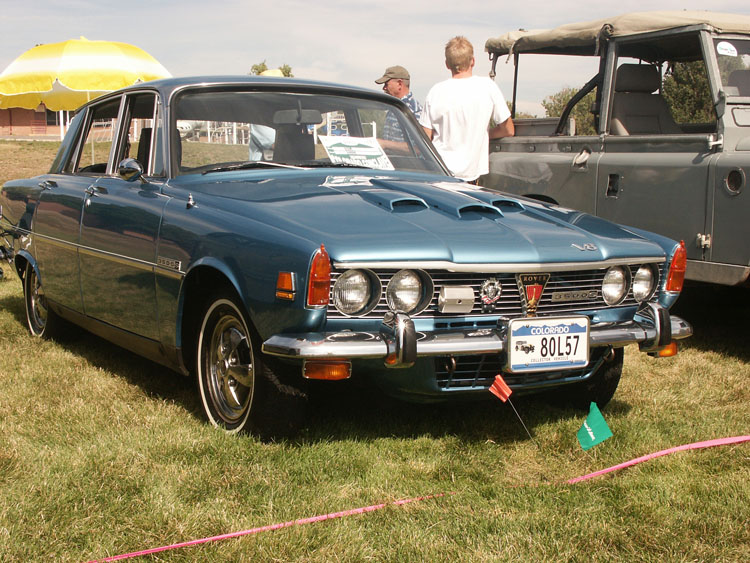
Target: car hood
{"type": "Point", "coordinates": [399, 216]}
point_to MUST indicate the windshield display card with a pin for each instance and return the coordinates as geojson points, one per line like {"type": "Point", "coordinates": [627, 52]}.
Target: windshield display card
{"type": "Point", "coordinates": [358, 151]}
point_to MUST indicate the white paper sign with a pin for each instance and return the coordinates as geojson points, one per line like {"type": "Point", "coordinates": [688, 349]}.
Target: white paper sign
{"type": "Point", "coordinates": [359, 151]}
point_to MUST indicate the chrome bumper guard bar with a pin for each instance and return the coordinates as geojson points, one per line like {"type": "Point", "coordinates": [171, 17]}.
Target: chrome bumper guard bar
{"type": "Point", "coordinates": [398, 344]}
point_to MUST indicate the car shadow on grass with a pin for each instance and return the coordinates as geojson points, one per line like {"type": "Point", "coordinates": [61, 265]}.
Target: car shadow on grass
{"type": "Point", "coordinates": [345, 410]}
{"type": "Point", "coordinates": [155, 380]}
{"type": "Point", "coordinates": [351, 410]}
{"type": "Point", "coordinates": [719, 317]}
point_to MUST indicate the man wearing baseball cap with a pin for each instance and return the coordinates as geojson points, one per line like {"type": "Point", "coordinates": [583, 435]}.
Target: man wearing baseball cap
{"type": "Point", "coordinates": [396, 81]}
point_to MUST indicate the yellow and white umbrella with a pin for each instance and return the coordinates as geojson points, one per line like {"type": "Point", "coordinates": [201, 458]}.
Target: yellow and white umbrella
{"type": "Point", "coordinates": [66, 75]}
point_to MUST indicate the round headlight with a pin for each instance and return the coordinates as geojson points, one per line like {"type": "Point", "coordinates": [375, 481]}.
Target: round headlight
{"type": "Point", "coordinates": [643, 283]}
{"type": "Point", "coordinates": [615, 285]}
{"type": "Point", "coordinates": [351, 292]}
{"type": "Point", "coordinates": [404, 291]}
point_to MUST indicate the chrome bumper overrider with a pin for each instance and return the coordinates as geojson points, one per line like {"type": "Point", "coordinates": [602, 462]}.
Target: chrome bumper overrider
{"type": "Point", "coordinates": [399, 345]}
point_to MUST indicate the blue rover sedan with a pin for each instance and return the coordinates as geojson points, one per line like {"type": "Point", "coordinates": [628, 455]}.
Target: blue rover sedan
{"type": "Point", "coordinates": [258, 233]}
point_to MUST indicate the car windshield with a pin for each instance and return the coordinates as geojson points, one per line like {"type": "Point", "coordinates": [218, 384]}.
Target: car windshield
{"type": "Point", "coordinates": [733, 56]}
{"type": "Point", "coordinates": [220, 130]}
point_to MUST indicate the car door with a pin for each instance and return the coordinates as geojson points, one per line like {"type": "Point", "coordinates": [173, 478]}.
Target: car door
{"type": "Point", "coordinates": [119, 228]}
{"type": "Point", "coordinates": [57, 222]}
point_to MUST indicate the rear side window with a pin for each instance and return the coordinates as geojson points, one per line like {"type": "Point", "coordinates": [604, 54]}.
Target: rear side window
{"type": "Point", "coordinates": [98, 136]}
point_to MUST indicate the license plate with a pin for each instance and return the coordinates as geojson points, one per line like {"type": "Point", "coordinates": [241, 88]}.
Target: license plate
{"type": "Point", "coordinates": [541, 344]}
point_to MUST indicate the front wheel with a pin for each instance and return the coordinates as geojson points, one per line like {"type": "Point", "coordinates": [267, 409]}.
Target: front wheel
{"type": "Point", "coordinates": [599, 388]}
{"type": "Point", "coordinates": [238, 389]}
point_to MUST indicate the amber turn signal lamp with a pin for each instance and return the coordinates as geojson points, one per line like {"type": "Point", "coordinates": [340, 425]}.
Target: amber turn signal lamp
{"type": "Point", "coordinates": [285, 286]}
{"type": "Point", "coordinates": [320, 279]}
{"type": "Point", "coordinates": [668, 351]}
{"type": "Point", "coordinates": [677, 270]}
{"type": "Point", "coordinates": [329, 370]}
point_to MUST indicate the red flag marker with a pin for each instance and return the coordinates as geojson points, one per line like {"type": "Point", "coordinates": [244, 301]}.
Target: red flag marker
{"type": "Point", "coordinates": [500, 389]}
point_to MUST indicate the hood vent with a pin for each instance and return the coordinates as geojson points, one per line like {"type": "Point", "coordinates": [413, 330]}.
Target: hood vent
{"type": "Point", "coordinates": [508, 205]}
{"type": "Point", "coordinates": [488, 211]}
{"type": "Point", "coordinates": [394, 201]}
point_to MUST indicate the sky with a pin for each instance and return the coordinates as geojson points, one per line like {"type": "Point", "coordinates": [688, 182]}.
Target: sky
{"type": "Point", "coordinates": [344, 41]}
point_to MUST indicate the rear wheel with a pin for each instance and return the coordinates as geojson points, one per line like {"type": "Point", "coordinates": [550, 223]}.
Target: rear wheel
{"type": "Point", "coordinates": [599, 388]}
{"type": "Point", "coordinates": [40, 319]}
{"type": "Point", "coordinates": [239, 389]}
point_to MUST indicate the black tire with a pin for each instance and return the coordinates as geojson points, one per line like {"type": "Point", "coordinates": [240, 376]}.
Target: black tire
{"type": "Point", "coordinates": [41, 321]}
{"type": "Point", "coordinates": [241, 389]}
{"type": "Point", "coordinates": [599, 389]}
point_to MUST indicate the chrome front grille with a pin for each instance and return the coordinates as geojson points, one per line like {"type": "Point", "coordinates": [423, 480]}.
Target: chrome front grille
{"type": "Point", "coordinates": [585, 283]}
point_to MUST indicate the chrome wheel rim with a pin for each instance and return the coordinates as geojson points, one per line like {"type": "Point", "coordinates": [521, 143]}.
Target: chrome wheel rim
{"type": "Point", "coordinates": [230, 369]}
{"type": "Point", "coordinates": [37, 304]}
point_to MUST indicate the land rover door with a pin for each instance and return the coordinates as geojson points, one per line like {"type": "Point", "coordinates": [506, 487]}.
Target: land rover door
{"type": "Point", "coordinates": [658, 150]}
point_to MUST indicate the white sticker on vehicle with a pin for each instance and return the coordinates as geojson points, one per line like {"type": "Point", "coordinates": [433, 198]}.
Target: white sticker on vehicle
{"type": "Point", "coordinates": [360, 151]}
{"type": "Point", "coordinates": [726, 48]}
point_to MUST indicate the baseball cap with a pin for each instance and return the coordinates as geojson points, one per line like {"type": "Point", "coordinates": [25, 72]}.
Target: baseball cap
{"type": "Point", "coordinates": [393, 72]}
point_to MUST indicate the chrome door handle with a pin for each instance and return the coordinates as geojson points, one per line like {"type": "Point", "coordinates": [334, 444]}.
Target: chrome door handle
{"type": "Point", "coordinates": [91, 191]}
{"type": "Point", "coordinates": [48, 184]}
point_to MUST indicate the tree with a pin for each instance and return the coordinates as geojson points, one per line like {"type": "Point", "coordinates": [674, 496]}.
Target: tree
{"type": "Point", "coordinates": [519, 114]}
{"type": "Point", "coordinates": [555, 104]}
{"type": "Point", "coordinates": [685, 89]}
{"type": "Point", "coordinates": [261, 67]}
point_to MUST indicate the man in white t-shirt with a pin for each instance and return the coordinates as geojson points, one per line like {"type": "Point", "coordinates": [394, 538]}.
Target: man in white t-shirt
{"type": "Point", "coordinates": [458, 111]}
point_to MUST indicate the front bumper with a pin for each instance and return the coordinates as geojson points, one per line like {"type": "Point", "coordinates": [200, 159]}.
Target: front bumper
{"type": "Point", "coordinates": [398, 344]}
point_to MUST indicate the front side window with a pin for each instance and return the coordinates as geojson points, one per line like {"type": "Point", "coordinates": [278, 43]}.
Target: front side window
{"type": "Point", "coordinates": [665, 98]}
{"type": "Point", "coordinates": [218, 129]}
{"type": "Point", "coordinates": [138, 140]}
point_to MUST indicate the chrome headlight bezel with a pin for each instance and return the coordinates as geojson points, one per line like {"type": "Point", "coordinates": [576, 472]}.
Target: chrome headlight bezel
{"type": "Point", "coordinates": [421, 289]}
{"type": "Point", "coordinates": [617, 277]}
{"type": "Point", "coordinates": [646, 273]}
{"type": "Point", "coordinates": [369, 298]}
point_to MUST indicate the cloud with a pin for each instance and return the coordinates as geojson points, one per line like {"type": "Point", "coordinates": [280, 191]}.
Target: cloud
{"type": "Point", "coordinates": [332, 40]}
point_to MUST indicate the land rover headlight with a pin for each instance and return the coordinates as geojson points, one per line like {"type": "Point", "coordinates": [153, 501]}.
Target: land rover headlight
{"type": "Point", "coordinates": [352, 292]}
{"type": "Point", "coordinates": [404, 292]}
{"type": "Point", "coordinates": [615, 285]}
{"type": "Point", "coordinates": [643, 283]}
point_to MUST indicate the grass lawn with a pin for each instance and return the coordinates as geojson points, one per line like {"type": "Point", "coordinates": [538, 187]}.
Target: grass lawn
{"type": "Point", "coordinates": [102, 453]}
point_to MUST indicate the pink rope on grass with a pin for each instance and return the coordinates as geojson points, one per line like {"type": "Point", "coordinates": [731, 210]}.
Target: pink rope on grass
{"type": "Point", "coordinates": [363, 510]}
{"type": "Point", "coordinates": [268, 528]}
{"type": "Point", "coordinates": [693, 446]}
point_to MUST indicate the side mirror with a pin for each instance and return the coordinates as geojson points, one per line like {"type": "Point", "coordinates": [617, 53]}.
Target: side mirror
{"type": "Point", "coordinates": [130, 170]}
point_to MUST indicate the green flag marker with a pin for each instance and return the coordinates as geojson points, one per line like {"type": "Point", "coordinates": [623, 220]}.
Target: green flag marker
{"type": "Point", "coordinates": [594, 429]}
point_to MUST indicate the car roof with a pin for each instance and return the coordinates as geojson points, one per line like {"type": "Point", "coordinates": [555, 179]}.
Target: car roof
{"type": "Point", "coordinates": [167, 86]}
{"type": "Point", "coordinates": [584, 38]}
{"type": "Point", "coordinates": [175, 83]}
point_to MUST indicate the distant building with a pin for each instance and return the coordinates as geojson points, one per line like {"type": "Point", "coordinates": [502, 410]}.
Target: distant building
{"type": "Point", "coordinates": [39, 122]}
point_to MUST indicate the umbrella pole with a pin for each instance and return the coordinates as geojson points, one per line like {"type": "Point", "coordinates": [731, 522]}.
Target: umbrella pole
{"type": "Point", "coordinates": [62, 125]}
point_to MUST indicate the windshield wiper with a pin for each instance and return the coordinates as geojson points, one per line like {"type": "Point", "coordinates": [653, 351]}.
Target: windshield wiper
{"type": "Point", "coordinates": [252, 164]}
{"type": "Point", "coordinates": [335, 165]}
